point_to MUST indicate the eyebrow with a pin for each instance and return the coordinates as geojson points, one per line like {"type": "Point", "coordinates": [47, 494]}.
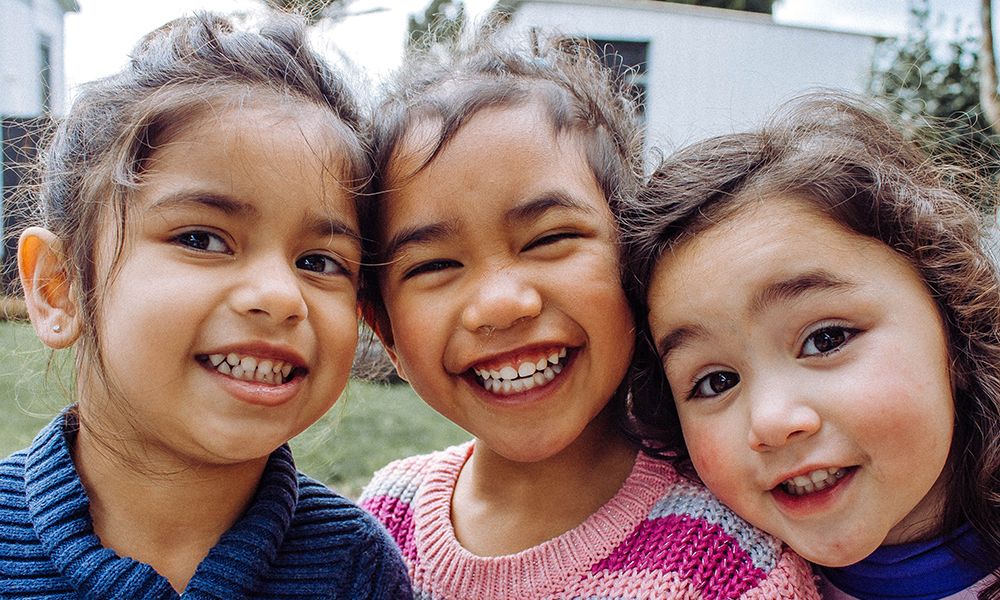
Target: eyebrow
{"type": "Point", "coordinates": [513, 217]}
{"type": "Point", "coordinates": [778, 292]}
{"type": "Point", "coordinates": [789, 289]}
{"type": "Point", "coordinates": [676, 338]}
{"type": "Point", "coordinates": [531, 210]}
{"type": "Point", "coordinates": [219, 202]}
{"type": "Point", "coordinates": [313, 224]}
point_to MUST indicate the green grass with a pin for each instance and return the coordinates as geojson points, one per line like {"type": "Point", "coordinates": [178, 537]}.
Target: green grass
{"type": "Point", "coordinates": [371, 424]}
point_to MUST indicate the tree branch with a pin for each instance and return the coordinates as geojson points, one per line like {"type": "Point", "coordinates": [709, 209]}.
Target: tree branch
{"type": "Point", "coordinates": [988, 97]}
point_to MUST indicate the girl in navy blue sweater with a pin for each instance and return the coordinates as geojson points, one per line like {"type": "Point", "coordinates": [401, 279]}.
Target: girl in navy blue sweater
{"type": "Point", "coordinates": [199, 250]}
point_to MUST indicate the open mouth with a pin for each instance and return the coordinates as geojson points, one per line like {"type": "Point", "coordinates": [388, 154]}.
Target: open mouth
{"type": "Point", "coordinates": [521, 375]}
{"type": "Point", "coordinates": [250, 368]}
{"type": "Point", "coordinates": [816, 481]}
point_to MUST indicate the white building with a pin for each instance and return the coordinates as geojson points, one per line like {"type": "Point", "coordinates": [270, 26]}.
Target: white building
{"type": "Point", "coordinates": [31, 56]}
{"type": "Point", "coordinates": [708, 71]}
{"type": "Point", "coordinates": [31, 85]}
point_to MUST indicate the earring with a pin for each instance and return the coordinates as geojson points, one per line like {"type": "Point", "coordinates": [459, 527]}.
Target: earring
{"type": "Point", "coordinates": [56, 328]}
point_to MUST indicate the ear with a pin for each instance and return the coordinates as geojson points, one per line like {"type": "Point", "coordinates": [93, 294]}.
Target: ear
{"type": "Point", "coordinates": [48, 292]}
{"type": "Point", "coordinates": [376, 318]}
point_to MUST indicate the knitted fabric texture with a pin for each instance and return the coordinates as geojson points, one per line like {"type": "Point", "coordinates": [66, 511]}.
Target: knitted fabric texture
{"type": "Point", "coordinates": [298, 539]}
{"type": "Point", "coordinates": [662, 536]}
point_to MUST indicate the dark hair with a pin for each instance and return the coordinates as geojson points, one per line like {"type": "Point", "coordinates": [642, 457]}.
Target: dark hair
{"type": "Point", "coordinates": [450, 82]}
{"type": "Point", "coordinates": [94, 162]}
{"type": "Point", "coordinates": [844, 156]}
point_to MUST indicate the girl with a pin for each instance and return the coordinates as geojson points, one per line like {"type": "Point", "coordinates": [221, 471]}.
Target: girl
{"type": "Point", "coordinates": [499, 300]}
{"type": "Point", "coordinates": [827, 319]}
{"type": "Point", "coordinates": [200, 251]}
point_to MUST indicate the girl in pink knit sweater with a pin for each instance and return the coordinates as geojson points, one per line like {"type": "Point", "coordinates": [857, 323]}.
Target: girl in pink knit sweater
{"type": "Point", "coordinates": [501, 170]}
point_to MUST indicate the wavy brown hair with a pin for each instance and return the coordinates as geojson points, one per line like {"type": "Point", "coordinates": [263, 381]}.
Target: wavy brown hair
{"type": "Point", "coordinates": [94, 161]}
{"type": "Point", "coordinates": [450, 82]}
{"type": "Point", "coordinates": [845, 157]}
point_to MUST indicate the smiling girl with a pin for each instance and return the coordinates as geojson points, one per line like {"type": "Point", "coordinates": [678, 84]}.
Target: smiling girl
{"type": "Point", "coordinates": [827, 320]}
{"type": "Point", "coordinates": [200, 251]}
{"type": "Point", "coordinates": [499, 300]}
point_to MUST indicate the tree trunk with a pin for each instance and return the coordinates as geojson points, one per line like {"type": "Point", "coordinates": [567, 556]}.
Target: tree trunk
{"type": "Point", "coordinates": [988, 97]}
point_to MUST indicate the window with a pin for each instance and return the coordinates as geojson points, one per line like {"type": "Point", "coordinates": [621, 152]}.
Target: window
{"type": "Point", "coordinates": [628, 60]}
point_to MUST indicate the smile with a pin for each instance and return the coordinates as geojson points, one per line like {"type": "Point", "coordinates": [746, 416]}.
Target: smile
{"type": "Point", "coordinates": [249, 368]}
{"type": "Point", "coordinates": [816, 481]}
{"type": "Point", "coordinates": [523, 376]}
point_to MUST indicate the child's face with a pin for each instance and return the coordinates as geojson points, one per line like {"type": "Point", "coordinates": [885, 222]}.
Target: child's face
{"type": "Point", "coordinates": [810, 371]}
{"type": "Point", "coordinates": [242, 244]}
{"type": "Point", "coordinates": [503, 262]}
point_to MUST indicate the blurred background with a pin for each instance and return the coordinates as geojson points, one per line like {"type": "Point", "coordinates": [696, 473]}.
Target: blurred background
{"type": "Point", "coordinates": [696, 67]}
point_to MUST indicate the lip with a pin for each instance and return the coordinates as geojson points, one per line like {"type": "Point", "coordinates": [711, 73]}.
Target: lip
{"type": "Point", "coordinates": [253, 392]}
{"type": "Point", "coordinates": [809, 504]}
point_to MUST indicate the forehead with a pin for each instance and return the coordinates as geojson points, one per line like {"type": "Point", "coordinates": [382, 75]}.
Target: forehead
{"type": "Point", "coordinates": [513, 152]}
{"type": "Point", "coordinates": [774, 240]}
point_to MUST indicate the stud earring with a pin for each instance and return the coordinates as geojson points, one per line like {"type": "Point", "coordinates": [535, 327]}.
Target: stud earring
{"type": "Point", "coordinates": [56, 328]}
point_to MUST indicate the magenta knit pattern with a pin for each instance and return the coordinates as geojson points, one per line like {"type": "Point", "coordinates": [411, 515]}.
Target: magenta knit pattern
{"type": "Point", "coordinates": [662, 536]}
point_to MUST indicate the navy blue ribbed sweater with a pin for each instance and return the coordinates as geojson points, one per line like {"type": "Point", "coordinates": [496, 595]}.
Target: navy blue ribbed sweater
{"type": "Point", "coordinates": [298, 539]}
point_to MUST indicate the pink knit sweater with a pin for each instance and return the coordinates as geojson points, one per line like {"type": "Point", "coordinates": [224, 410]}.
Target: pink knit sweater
{"type": "Point", "coordinates": [661, 536]}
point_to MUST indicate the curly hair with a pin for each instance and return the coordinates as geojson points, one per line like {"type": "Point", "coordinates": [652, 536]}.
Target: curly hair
{"type": "Point", "coordinates": [846, 158]}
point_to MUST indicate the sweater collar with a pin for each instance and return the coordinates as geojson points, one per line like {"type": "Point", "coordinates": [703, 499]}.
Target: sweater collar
{"type": "Point", "coordinates": [917, 571]}
{"type": "Point", "coordinates": [60, 512]}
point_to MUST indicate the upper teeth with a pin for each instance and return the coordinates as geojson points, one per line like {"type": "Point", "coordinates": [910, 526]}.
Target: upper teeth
{"type": "Point", "coordinates": [817, 480]}
{"type": "Point", "coordinates": [248, 368]}
{"type": "Point", "coordinates": [526, 376]}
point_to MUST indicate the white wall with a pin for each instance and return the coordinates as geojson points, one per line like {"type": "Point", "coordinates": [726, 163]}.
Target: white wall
{"type": "Point", "coordinates": [711, 71]}
{"type": "Point", "coordinates": [22, 25]}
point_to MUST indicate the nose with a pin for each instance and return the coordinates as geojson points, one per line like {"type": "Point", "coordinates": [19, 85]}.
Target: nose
{"type": "Point", "coordinates": [780, 415]}
{"type": "Point", "coordinates": [271, 288]}
{"type": "Point", "coordinates": [499, 299]}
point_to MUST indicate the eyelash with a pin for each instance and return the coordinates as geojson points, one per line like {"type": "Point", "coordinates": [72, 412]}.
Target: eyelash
{"type": "Point", "coordinates": [847, 334]}
{"type": "Point", "coordinates": [340, 268]}
{"type": "Point", "coordinates": [193, 239]}
{"type": "Point", "coordinates": [201, 241]}
{"type": "Point", "coordinates": [695, 391]}
{"type": "Point", "coordinates": [431, 266]}
{"type": "Point", "coordinates": [842, 335]}
{"type": "Point", "coordinates": [552, 239]}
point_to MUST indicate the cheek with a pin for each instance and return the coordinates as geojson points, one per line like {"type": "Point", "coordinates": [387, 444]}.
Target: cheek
{"type": "Point", "coordinates": [714, 453]}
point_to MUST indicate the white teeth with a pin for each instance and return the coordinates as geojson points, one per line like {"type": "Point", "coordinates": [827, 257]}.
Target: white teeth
{"type": "Point", "coordinates": [247, 368]}
{"type": "Point", "coordinates": [526, 376]}
{"type": "Point", "coordinates": [816, 481]}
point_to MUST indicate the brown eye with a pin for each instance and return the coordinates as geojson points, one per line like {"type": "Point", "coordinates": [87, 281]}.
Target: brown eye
{"type": "Point", "coordinates": [826, 340]}
{"type": "Point", "coordinates": [715, 384]}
